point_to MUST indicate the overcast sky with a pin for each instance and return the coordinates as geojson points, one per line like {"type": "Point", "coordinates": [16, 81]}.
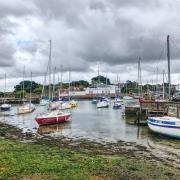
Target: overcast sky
{"type": "Point", "coordinates": [113, 33]}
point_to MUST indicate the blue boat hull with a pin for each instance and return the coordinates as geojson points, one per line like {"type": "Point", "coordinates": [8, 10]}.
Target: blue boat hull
{"type": "Point", "coordinates": [5, 108]}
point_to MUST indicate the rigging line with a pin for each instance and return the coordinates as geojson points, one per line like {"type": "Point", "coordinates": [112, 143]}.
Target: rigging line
{"type": "Point", "coordinates": [175, 45]}
{"type": "Point", "coordinates": [161, 54]}
{"type": "Point", "coordinates": [160, 57]}
{"type": "Point", "coordinates": [162, 51]}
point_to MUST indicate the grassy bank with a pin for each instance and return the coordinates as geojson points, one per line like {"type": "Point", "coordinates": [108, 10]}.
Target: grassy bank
{"type": "Point", "coordinates": [34, 161]}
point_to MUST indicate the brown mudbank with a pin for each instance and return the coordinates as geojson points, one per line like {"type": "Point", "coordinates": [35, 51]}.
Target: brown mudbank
{"type": "Point", "coordinates": [128, 149]}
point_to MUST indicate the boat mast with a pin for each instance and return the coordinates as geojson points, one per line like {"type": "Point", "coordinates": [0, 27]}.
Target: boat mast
{"type": "Point", "coordinates": [49, 69]}
{"type": "Point", "coordinates": [106, 87]}
{"type": "Point", "coordinates": [30, 90]}
{"type": "Point", "coordinates": [163, 83]}
{"type": "Point", "coordinates": [5, 88]}
{"type": "Point", "coordinates": [169, 68]}
{"type": "Point", "coordinates": [53, 83]}
{"type": "Point", "coordinates": [23, 83]}
{"type": "Point", "coordinates": [69, 84]}
{"type": "Point", "coordinates": [43, 88]}
{"type": "Point", "coordinates": [98, 81]}
{"type": "Point", "coordinates": [61, 87]}
{"type": "Point", "coordinates": [139, 77]}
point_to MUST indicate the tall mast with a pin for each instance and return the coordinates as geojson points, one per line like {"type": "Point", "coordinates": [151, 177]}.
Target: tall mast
{"type": "Point", "coordinates": [169, 68]}
{"type": "Point", "coordinates": [157, 73]}
{"type": "Point", "coordinates": [69, 83]}
{"type": "Point", "coordinates": [44, 84]}
{"type": "Point", "coordinates": [5, 87]}
{"type": "Point", "coordinates": [163, 83]}
{"type": "Point", "coordinates": [139, 77]}
{"type": "Point", "coordinates": [106, 86]}
{"type": "Point", "coordinates": [49, 69]}
{"type": "Point", "coordinates": [53, 82]}
{"type": "Point", "coordinates": [23, 83]}
{"type": "Point", "coordinates": [31, 89]}
{"type": "Point", "coordinates": [61, 78]}
{"type": "Point", "coordinates": [98, 79]}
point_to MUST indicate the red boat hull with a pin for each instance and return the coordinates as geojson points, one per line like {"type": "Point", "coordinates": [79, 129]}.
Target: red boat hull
{"type": "Point", "coordinates": [53, 120]}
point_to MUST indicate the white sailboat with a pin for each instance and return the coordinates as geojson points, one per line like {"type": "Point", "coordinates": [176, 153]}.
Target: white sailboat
{"type": "Point", "coordinates": [166, 125]}
{"type": "Point", "coordinates": [169, 126]}
{"type": "Point", "coordinates": [5, 106]}
{"type": "Point", "coordinates": [26, 107]}
{"type": "Point", "coordinates": [103, 101]}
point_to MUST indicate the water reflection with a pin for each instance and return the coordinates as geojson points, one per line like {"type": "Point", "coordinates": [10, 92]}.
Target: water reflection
{"type": "Point", "coordinates": [55, 128]}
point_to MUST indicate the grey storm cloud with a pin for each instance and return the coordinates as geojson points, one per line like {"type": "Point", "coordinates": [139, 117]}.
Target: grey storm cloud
{"type": "Point", "coordinates": [85, 32]}
{"type": "Point", "coordinates": [6, 55]}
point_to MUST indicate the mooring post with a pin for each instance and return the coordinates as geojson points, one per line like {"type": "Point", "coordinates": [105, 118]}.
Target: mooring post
{"type": "Point", "coordinates": [177, 110]}
{"type": "Point", "coordinates": [140, 114]}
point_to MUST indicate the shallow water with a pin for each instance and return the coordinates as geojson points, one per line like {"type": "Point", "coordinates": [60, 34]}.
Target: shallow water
{"type": "Point", "coordinates": [88, 122]}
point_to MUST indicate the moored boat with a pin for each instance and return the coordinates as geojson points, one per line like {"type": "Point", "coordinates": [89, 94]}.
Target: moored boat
{"type": "Point", "coordinates": [73, 104]}
{"type": "Point", "coordinates": [53, 117]}
{"type": "Point", "coordinates": [54, 105]}
{"type": "Point", "coordinates": [128, 98]}
{"type": "Point", "coordinates": [5, 107]}
{"type": "Point", "coordinates": [26, 108]}
{"type": "Point", "coordinates": [169, 126]}
{"type": "Point", "coordinates": [43, 102]}
{"type": "Point", "coordinates": [117, 105]}
{"type": "Point", "coordinates": [94, 101]}
{"type": "Point", "coordinates": [64, 105]}
{"type": "Point", "coordinates": [103, 103]}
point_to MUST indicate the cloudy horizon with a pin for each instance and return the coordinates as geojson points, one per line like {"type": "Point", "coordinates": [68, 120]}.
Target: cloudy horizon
{"type": "Point", "coordinates": [85, 33]}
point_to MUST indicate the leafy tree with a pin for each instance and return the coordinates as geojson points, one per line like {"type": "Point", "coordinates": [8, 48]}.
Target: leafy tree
{"type": "Point", "coordinates": [37, 90]}
{"type": "Point", "coordinates": [19, 94]}
{"type": "Point", "coordinates": [81, 83]}
{"type": "Point", "coordinates": [27, 85]}
{"type": "Point", "coordinates": [100, 79]}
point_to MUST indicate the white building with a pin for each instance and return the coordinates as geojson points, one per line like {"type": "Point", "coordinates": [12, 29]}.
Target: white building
{"type": "Point", "coordinates": [102, 89]}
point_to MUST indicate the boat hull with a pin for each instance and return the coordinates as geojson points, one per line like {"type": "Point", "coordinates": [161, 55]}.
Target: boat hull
{"type": "Point", "coordinates": [25, 109]}
{"type": "Point", "coordinates": [117, 107]}
{"type": "Point", "coordinates": [5, 108]}
{"type": "Point", "coordinates": [102, 104]}
{"type": "Point", "coordinates": [53, 120]}
{"type": "Point", "coordinates": [165, 129]}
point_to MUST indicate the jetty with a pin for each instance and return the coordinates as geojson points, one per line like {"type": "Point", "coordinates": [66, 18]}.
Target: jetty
{"type": "Point", "coordinates": [140, 113]}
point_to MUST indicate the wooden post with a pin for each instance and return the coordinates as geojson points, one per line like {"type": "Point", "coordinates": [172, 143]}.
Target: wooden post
{"type": "Point", "coordinates": [177, 111]}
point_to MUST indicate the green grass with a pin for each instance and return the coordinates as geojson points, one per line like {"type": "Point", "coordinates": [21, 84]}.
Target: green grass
{"type": "Point", "coordinates": [32, 161]}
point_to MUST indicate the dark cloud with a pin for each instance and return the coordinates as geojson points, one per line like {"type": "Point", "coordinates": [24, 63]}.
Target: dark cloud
{"type": "Point", "coordinates": [15, 8]}
{"type": "Point", "coordinates": [6, 55]}
{"type": "Point", "coordinates": [84, 32]}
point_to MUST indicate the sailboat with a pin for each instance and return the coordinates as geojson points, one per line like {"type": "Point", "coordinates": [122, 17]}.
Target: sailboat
{"type": "Point", "coordinates": [5, 106]}
{"type": "Point", "coordinates": [118, 101]}
{"type": "Point", "coordinates": [103, 101]}
{"type": "Point", "coordinates": [166, 125]}
{"type": "Point", "coordinates": [26, 107]}
{"type": "Point", "coordinates": [70, 103]}
{"type": "Point", "coordinates": [53, 117]}
{"type": "Point", "coordinates": [97, 98]}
